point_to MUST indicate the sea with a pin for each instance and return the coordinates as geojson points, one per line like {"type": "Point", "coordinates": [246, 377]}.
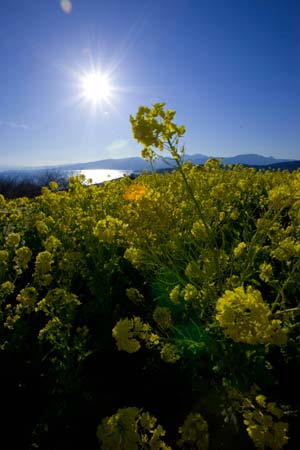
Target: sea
{"type": "Point", "coordinates": [38, 175]}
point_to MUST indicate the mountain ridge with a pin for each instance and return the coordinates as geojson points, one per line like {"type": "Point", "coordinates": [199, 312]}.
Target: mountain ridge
{"type": "Point", "coordinates": [137, 164]}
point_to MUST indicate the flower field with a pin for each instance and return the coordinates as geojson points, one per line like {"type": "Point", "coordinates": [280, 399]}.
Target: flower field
{"type": "Point", "coordinates": [155, 313]}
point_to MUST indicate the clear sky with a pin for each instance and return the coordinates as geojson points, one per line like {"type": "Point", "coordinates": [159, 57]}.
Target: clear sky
{"type": "Point", "coordinates": [230, 68]}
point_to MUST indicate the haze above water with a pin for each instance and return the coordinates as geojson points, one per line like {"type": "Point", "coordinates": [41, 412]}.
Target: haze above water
{"type": "Point", "coordinates": [96, 175]}
{"type": "Point", "coordinates": [101, 175]}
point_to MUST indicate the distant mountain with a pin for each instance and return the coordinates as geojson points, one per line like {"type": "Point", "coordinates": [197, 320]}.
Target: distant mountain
{"type": "Point", "coordinates": [137, 164]}
{"type": "Point", "coordinates": [253, 160]}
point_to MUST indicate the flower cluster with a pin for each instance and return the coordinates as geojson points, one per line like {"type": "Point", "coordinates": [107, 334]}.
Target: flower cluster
{"type": "Point", "coordinates": [3, 258]}
{"type": "Point", "coordinates": [6, 289]}
{"type": "Point", "coordinates": [154, 127]}
{"type": "Point", "coordinates": [135, 192]}
{"type": "Point", "coordinates": [128, 332]}
{"type": "Point", "coordinates": [190, 293]}
{"type": "Point", "coordinates": [22, 257]}
{"type": "Point", "coordinates": [108, 229]}
{"type": "Point", "coordinates": [131, 429]}
{"type": "Point", "coordinates": [134, 256]}
{"type": "Point", "coordinates": [240, 249]}
{"type": "Point", "coordinates": [43, 263]}
{"type": "Point", "coordinates": [27, 297]}
{"type": "Point", "coordinates": [266, 272]}
{"type": "Point", "coordinates": [13, 240]}
{"type": "Point", "coordinates": [162, 316]}
{"type": "Point", "coordinates": [287, 249]}
{"type": "Point", "coordinates": [263, 423]}
{"type": "Point", "coordinates": [134, 295]}
{"type": "Point", "coordinates": [169, 353]}
{"type": "Point", "coordinates": [245, 318]}
{"type": "Point", "coordinates": [175, 294]}
{"type": "Point", "coordinates": [194, 433]}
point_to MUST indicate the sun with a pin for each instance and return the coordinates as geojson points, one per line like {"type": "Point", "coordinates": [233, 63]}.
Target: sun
{"type": "Point", "coordinates": [96, 87]}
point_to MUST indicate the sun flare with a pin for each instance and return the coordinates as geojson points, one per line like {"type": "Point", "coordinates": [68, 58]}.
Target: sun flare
{"type": "Point", "coordinates": [96, 87]}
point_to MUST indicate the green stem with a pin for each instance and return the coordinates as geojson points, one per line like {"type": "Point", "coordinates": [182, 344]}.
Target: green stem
{"type": "Point", "coordinates": [200, 213]}
{"type": "Point", "coordinates": [189, 189]}
{"type": "Point", "coordinates": [287, 311]}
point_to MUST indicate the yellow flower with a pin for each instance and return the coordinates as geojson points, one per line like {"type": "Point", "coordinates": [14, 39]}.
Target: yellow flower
{"type": "Point", "coordinates": [175, 294]}
{"type": "Point", "coordinates": [3, 257]}
{"type": "Point", "coordinates": [199, 230]}
{"type": "Point", "coordinates": [162, 317]}
{"type": "Point", "coordinates": [134, 295]}
{"type": "Point", "coordinates": [6, 288]}
{"type": "Point", "coordinates": [22, 257]}
{"type": "Point", "coordinates": [222, 216]}
{"type": "Point", "coordinates": [245, 318]}
{"type": "Point", "coordinates": [239, 250]}
{"type": "Point", "coordinates": [41, 227]}
{"type": "Point", "coordinates": [234, 215]}
{"type": "Point", "coordinates": [53, 331]}
{"type": "Point", "coordinates": [135, 192]}
{"type": "Point", "coordinates": [261, 400]}
{"type": "Point", "coordinates": [127, 332]}
{"type": "Point", "coordinates": [262, 423]}
{"type": "Point", "coordinates": [52, 243]}
{"type": "Point", "coordinates": [109, 229]}
{"type": "Point", "coordinates": [169, 353]}
{"type": "Point", "coordinates": [123, 333]}
{"type": "Point", "coordinates": [131, 429]}
{"type": "Point", "coordinates": [13, 239]}
{"type": "Point", "coordinates": [266, 271]}
{"type": "Point", "coordinates": [53, 185]}
{"type": "Point", "coordinates": [194, 433]}
{"type": "Point", "coordinates": [190, 293]}
{"type": "Point", "coordinates": [27, 297]}
{"type": "Point", "coordinates": [286, 249]}
{"type": "Point", "coordinates": [134, 256]}
{"type": "Point", "coordinates": [43, 262]}
{"type": "Point", "coordinates": [273, 409]}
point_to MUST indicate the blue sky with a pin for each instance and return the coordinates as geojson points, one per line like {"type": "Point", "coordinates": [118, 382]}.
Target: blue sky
{"type": "Point", "coordinates": [230, 68]}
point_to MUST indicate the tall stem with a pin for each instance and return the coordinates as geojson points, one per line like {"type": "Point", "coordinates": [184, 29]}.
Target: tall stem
{"type": "Point", "coordinates": [198, 208]}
